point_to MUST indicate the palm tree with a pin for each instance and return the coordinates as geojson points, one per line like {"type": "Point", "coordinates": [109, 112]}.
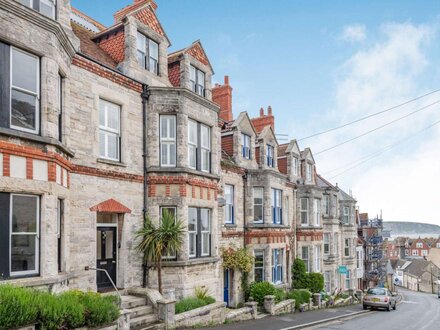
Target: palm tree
{"type": "Point", "coordinates": [161, 240]}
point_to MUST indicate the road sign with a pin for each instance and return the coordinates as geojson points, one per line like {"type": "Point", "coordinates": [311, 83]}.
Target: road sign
{"type": "Point", "coordinates": [342, 269]}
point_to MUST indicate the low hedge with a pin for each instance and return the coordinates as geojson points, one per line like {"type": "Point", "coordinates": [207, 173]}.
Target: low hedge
{"type": "Point", "coordinates": [301, 296]}
{"type": "Point", "coordinates": [258, 290]}
{"type": "Point", "coordinates": [72, 309]}
{"type": "Point", "coordinates": [191, 303]}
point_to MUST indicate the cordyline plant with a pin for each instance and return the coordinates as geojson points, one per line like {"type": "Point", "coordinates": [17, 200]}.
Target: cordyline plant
{"type": "Point", "coordinates": [159, 241]}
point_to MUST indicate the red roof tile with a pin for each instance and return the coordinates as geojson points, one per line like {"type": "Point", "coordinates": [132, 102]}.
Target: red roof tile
{"type": "Point", "coordinates": [110, 206]}
{"type": "Point", "coordinates": [174, 73]}
{"type": "Point", "coordinates": [114, 45]}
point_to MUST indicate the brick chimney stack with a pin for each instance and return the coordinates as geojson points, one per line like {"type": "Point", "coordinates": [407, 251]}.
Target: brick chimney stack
{"type": "Point", "coordinates": [222, 95]}
{"type": "Point", "coordinates": [264, 120]}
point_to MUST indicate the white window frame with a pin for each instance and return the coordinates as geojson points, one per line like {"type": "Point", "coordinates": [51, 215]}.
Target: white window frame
{"type": "Point", "coordinates": [258, 205]}
{"type": "Point", "coordinates": [347, 279]}
{"type": "Point", "coordinates": [147, 55]}
{"type": "Point", "coordinates": [306, 260]}
{"type": "Point", "coordinates": [295, 165]}
{"type": "Point", "coordinates": [197, 79]}
{"type": "Point", "coordinates": [245, 146]}
{"type": "Point", "coordinates": [277, 266]}
{"type": "Point", "coordinates": [327, 242]}
{"type": "Point", "coordinates": [347, 247]}
{"type": "Point", "coordinates": [36, 234]}
{"type": "Point", "coordinates": [277, 208]}
{"type": "Point", "coordinates": [419, 245]}
{"type": "Point", "coordinates": [318, 258]}
{"type": "Point", "coordinates": [261, 253]}
{"type": "Point", "coordinates": [317, 209]}
{"type": "Point", "coordinates": [346, 215]}
{"type": "Point", "coordinates": [168, 140]}
{"type": "Point", "coordinates": [326, 204]}
{"type": "Point", "coordinates": [415, 253]}
{"type": "Point", "coordinates": [25, 91]}
{"type": "Point", "coordinates": [309, 172]}
{"type": "Point", "coordinates": [205, 149]}
{"type": "Point", "coordinates": [161, 209]}
{"type": "Point", "coordinates": [270, 156]}
{"type": "Point", "coordinates": [327, 281]}
{"type": "Point", "coordinates": [192, 235]}
{"type": "Point", "coordinates": [50, 3]}
{"type": "Point", "coordinates": [304, 212]}
{"type": "Point", "coordinates": [229, 206]}
{"type": "Point", "coordinates": [204, 233]}
{"type": "Point", "coordinates": [192, 145]}
{"type": "Point", "coordinates": [110, 131]}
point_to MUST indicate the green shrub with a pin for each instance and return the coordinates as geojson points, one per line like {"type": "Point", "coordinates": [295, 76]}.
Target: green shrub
{"type": "Point", "coordinates": [201, 293]}
{"type": "Point", "coordinates": [300, 278]}
{"type": "Point", "coordinates": [191, 303]}
{"type": "Point", "coordinates": [73, 309]}
{"type": "Point", "coordinates": [280, 295]}
{"type": "Point", "coordinates": [260, 289]}
{"type": "Point", "coordinates": [301, 296]}
{"type": "Point", "coordinates": [18, 307]}
{"type": "Point", "coordinates": [315, 282]}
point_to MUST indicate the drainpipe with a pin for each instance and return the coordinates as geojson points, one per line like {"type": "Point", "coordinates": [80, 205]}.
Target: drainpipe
{"type": "Point", "coordinates": [245, 176]}
{"type": "Point", "coordinates": [145, 95]}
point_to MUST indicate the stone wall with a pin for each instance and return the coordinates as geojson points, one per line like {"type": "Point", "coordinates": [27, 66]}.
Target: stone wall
{"type": "Point", "coordinates": [212, 314]}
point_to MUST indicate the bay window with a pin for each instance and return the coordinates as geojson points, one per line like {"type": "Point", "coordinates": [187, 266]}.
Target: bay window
{"type": "Point", "coordinates": [326, 243]}
{"type": "Point", "coordinates": [317, 258]}
{"type": "Point", "coordinates": [277, 266]}
{"type": "Point", "coordinates": [199, 146]}
{"type": "Point", "coordinates": [259, 266]}
{"type": "Point", "coordinates": [170, 211]}
{"type": "Point", "coordinates": [229, 207]}
{"type": "Point", "coordinates": [199, 232]}
{"type": "Point", "coordinates": [246, 146]}
{"type": "Point", "coordinates": [270, 152]}
{"type": "Point", "coordinates": [109, 130]}
{"type": "Point", "coordinates": [45, 7]}
{"type": "Point", "coordinates": [304, 210]}
{"type": "Point", "coordinates": [258, 204]}
{"type": "Point", "coordinates": [167, 141]}
{"type": "Point", "coordinates": [197, 78]}
{"type": "Point", "coordinates": [277, 210]}
{"type": "Point", "coordinates": [317, 209]}
{"type": "Point", "coordinates": [305, 257]}
{"type": "Point", "coordinates": [148, 53]}
{"type": "Point", "coordinates": [347, 280]}
{"type": "Point", "coordinates": [347, 247]}
{"type": "Point", "coordinates": [19, 235]}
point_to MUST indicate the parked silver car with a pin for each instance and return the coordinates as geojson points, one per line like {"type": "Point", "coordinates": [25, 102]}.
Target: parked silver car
{"type": "Point", "coordinates": [379, 298]}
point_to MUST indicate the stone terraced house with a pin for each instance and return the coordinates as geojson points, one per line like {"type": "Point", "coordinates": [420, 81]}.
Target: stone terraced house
{"type": "Point", "coordinates": [100, 126]}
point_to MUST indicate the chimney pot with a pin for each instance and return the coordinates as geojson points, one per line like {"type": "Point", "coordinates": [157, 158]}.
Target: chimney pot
{"type": "Point", "coordinates": [269, 110]}
{"type": "Point", "coordinates": [261, 112]}
{"type": "Point", "coordinates": [226, 80]}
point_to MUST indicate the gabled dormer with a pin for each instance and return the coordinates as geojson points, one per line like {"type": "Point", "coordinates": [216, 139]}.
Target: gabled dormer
{"type": "Point", "coordinates": [138, 43]}
{"type": "Point", "coordinates": [190, 68]}
{"type": "Point", "coordinates": [289, 156]}
{"type": "Point", "coordinates": [308, 169]}
{"type": "Point", "coordinates": [267, 149]}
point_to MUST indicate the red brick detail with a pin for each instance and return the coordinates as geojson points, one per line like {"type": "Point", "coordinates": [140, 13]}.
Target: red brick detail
{"type": "Point", "coordinates": [282, 165]}
{"type": "Point", "coordinates": [130, 8]}
{"type": "Point", "coordinates": [152, 190]}
{"type": "Point", "coordinates": [29, 169]}
{"type": "Point", "coordinates": [174, 73]}
{"type": "Point", "coordinates": [222, 95]}
{"type": "Point", "coordinates": [149, 18]}
{"type": "Point", "coordinates": [208, 197]}
{"type": "Point", "coordinates": [231, 234]}
{"type": "Point", "coordinates": [68, 179]}
{"type": "Point", "coordinates": [6, 165]}
{"type": "Point", "coordinates": [270, 235]}
{"type": "Point", "coordinates": [167, 190]}
{"type": "Point", "coordinates": [182, 190]}
{"type": "Point", "coordinates": [264, 120]}
{"type": "Point", "coordinates": [92, 171]}
{"type": "Point", "coordinates": [105, 73]}
{"type": "Point", "coordinates": [114, 45]}
{"type": "Point", "coordinates": [110, 206]}
{"type": "Point", "coordinates": [228, 145]}
{"type": "Point", "coordinates": [52, 172]}
{"type": "Point", "coordinates": [257, 155]}
{"type": "Point", "coordinates": [197, 52]}
{"type": "Point", "coordinates": [181, 180]}
{"type": "Point", "coordinates": [193, 192]}
{"type": "Point", "coordinates": [301, 235]}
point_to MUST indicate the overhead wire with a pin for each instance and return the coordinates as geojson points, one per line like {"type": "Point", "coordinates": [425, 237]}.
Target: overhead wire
{"type": "Point", "coordinates": [369, 116]}
{"type": "Point", "coordinates": [377, 128]}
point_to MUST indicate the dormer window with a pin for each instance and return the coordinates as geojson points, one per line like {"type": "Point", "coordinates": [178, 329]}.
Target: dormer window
{"type": "Point", "coordinates": [295, 166]}
{"type": "Point", "coordinates": [45, 7]}
{"type": "Point", "coordinates": [309, 172]}
{"type": "Point", "coordinates": [270, 156]}
{"type": "Point", "coordinates": [246, 146]}
{"type": "Point", "coordinates": [148, 53]}
{"type": "Point", "coordinates": [197, 78]}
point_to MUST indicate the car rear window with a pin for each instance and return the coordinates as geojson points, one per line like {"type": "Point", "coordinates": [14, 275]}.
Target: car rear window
{"type": "Point", "coordinates": [377, 292]}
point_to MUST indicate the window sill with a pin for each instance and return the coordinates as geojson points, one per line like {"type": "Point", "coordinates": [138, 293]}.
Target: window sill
{"type": "Point", "coordinates": [157, 169]}
{"type": "Point", "coordinates": [38, 280]}
{"type": "Point", "coordinates": [230, 225]}
{"type": "Point", "coordinates": [111, 162]}
{"type": "Point", "coordinates": [191, 262]}
{"type": "Point", "coordinates": [267, 225]}
{"type": "Point", "coordinates": [36, 138]}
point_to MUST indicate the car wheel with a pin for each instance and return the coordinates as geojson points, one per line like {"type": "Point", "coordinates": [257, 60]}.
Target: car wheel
{"type": "Point", "coordinates": [365, 307]}
{"type": "Point", "coordinates": [389, 308]}
{"type": "Point", "coordinates": [395, 306]}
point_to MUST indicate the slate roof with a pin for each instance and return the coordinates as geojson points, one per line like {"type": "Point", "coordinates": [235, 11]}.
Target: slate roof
{"type": "Point", "coordinates": [282, 148]}
{"type": "Point", "coordinates": [323, 183]}
{"type": "Point", "coordinates": [417, 267]}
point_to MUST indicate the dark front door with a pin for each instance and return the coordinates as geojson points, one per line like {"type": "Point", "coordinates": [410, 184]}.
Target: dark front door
{"type": "Point", "coordinates": [106, 256]}
{"type": "Point", "coordinates": [226, 287]}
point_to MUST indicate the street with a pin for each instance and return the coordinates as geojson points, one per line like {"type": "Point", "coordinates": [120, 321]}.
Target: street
{"type": "Point", "coordinates": [417, 311]}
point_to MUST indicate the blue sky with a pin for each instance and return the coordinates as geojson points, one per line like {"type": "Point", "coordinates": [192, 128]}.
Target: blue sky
{"type": "Point", "coordinates": [320, 64]}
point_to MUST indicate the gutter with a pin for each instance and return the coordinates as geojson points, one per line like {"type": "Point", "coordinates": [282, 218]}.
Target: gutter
{"type": "Point", "coordinates": [145, 95]}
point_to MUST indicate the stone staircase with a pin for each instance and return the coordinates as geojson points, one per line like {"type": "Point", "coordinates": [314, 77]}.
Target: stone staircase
{"type": "Point", "coordinates": [142, 316]}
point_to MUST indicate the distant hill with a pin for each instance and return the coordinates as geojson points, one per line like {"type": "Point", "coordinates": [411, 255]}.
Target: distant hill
{"type": "Point", "coordinates": [411, 229]}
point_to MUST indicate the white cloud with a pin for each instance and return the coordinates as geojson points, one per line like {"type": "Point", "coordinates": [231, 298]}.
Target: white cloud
{"type": "Point", "coordinates": [401, 182]}
{"type": "Point", "coordinates": [354, 33]}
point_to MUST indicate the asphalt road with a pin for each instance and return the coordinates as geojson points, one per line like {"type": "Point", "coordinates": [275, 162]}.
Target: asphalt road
{"type": "Point", "coordinates": [417, 311]}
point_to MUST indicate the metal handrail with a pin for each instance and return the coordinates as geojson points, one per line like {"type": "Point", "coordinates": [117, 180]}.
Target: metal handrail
{"type": "Point", "coordinates": [114, 286]}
